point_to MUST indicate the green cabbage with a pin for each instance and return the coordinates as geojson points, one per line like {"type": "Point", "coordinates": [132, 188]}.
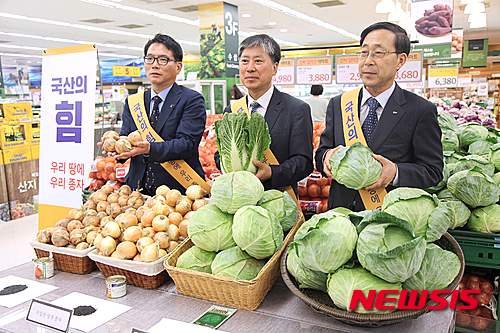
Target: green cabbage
{"type": "Point", "coordinates": [343, 282]}
{"type": "Point", "coordinates": [485, 219]}
{"type": "Point", "coordinates": [447, 122]}
{"type": "Point", "coordinates": [442, 183]}
{"type": "Point", "coordinates": [240, 140]}
{"type": "Point", "coordinates": [282, 206]}
{"type": "Point", "coordinates": [470, 133]}
{"type": "Point", "coordinates": [211, 229]}
{"type": "Point", "coordinates": [439, 268]}
{"type": "Point", "coordinates": [234, 190]}
{"type": "Point", "coordinates": [471, 161]}
{"type": "Point", "coordinates": [257, 231]}
{"type": "Point", "coordinates": [495, 156]}
{"type": "Point", "coordinates": [196, 259]}
{"type": "Point", "coordinates": [388, 248]}
{"type": "Point", "coordinates": [496, 178]}
{"type": "Point", "coordinates": [236, 264]}
{"type": "Point", "coordinates": [449, 140]}
{"type": "Point", "coordinates": [326, 243]}
{"type": "Point", "coordinates": [460, 212]}
{"type": "Point", "coordinates": [307, 278]}
{"type": "Point", "coordinates": [474, 188]}
{"type": "Point", "coordinates": [481, 147]}
{"type": "Point", "coordinates": [355, 167]}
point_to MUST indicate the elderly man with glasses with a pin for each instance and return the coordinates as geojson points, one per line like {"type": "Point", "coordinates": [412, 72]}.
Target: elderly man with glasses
{"type": "Point", "coordinates": [177, 114]}
{"type": "Point", "coordinates": [400, 127]}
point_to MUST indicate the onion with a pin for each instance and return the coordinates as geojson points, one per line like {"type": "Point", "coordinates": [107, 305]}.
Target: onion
{"type": "Point", "coordinates": [160, 209]}
{"type": "Point", "coordinates": [90, 221]}
{"type": "Point", "coordinates": [123, 146]}
{"type": "Point", "coordinates": [75, 214]}
{"type": "Point", "coordinates": [43, 236]}
{"type": "Point", "coordinates": [148, 232]}
{"type": "Point", "coordinates": [150, 253]}
{"type": "Point", "coordinates": [143, 242]}
{"type": "Point", "coordinates": [97, 240]}
{"type": "Point", "coordinates": [134, 138]}
{"type": "Point", "coordinates": [102, 206]}
{"type": "Point", "coordinates": [135, 202]}
{"type": "Point", "coordinates": [137, 257]}
{"type": "Point", "coordinates": [91, 236]}
{"type": "Point", "coordinates": [126, 220]}
{"type": "Point", "coordinates": [105, 220]}
{"type": "Point", "coordinates": [175, 218]}
{"type": "Point", "coordinates": [147, 218]}
{"type": "Point", "coordinates": [91, 228]}
{"type": "Point", "coordinates": [117, 255]}
{"type": "Point", "coordinates": [114, 210]}
{"type": "Point", "coordinates": [123, 200]}
{"type": "Point", "coordinates": [172, 197]}
{"type": "Point", "coordinates": [162, 253]}
{"type": "Point", "coordinates": [159, 199]}
{"type": "Point", "coordinates": [82, 246]}
{"type": "Point", "coordinates": [99, 196]}
{"type": "Point", "coordinates": [125, 190]}
{"type": "Point", "coordinates": [74, 224]}
{"type": "Point", "coordinates": [111, 229]}
{"type": "Point", "coordinates": [89, 212]}
{"type": "Point", "coordinates": [183, 206]}
{"type": "Point", "coordinates": [108, 145]}
{"type": "Point", "coordinates": [127, 250]}
{"type": "Point", "coordinates": [107, 246]}
{"type": "Point", "coordinates": [198, 203]}
{"type": "Point", "coordinates": [160, 223]}
{"type": "Point", "coordinates": [101, 215]}
{"type": "Point", "coordinates": [162, 190]}
{"type": "Point", "coordinates": [162, 239]}
{"type": "Point", "coordinates": [183, 228]}
{"type": "Point", "coordinates": [172, 246]}
{"type": "Point", "coordinates": [90, 204]}
{"type": "Point", "coordinates": [194, 192]}
{"type": "Point", "coordinates": [140, 211]}
{"type": "Point", "coordinates": [108, 189]}
{"type": "Point", "coordinates": [188, 215]}
{"type": "Point", "coordinates": [77, 236]}
{"type": "Point", "coordinates": [113, 198]}
{"type": "Point", "coordinates": [150, 202]}
{"type": "Point", "coordinates": [110, 135]}
{"type": "Point", "coordinates": [173, 232]}
{"type": "Point", "coordinates": [132, 234]}
{"type": "Point", "coordinates": [63, 223]}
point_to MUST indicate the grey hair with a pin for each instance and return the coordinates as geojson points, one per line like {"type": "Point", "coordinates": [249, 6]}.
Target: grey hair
{"type": "Point", "coordinates": [269, 45]}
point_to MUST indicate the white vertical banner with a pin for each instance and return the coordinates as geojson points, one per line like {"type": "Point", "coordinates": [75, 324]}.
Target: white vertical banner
{"type": "Point", "coordinates": [66, 128]}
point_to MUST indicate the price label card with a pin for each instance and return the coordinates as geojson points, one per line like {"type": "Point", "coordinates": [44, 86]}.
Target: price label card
{"type": "Point", "coordinates": [215, 316]}
{"type": "Point", "coordinates": [49, 315]}
{"type": "Point", "coordinates": [135, 330]}
{"type": "Point", "coordinates": [346, 69]}
{"type": "Point", "coordinates": [314, 70]}
{"type": "Point", "coordinates": [126, 71]}
{"type": "Point", "coordinates": [464, 80]}
{"type": "Point", "coordinates": [412, 69]}
{"type": "Point", "coordinates": [443, 77]}
{"type": "Point", "coordinates": [286, 72]}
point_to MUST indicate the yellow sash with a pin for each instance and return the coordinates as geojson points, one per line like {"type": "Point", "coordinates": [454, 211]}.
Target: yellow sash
{"type": "Point", "coordinates": [179, 169]}
{"type": "Point", "coordinates": [241, 106]}
{"type": "Point", "coordinates": [352, 134]}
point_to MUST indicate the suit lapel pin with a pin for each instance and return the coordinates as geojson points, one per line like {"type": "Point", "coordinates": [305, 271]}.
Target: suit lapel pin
{"type": "Point", "coordinates": [394, 112]}
{"type": "Point", "coordinates": [171, 105]}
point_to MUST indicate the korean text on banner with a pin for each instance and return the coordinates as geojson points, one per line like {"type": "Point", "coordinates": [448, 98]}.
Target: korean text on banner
{"type": "Point", "coordinates": [66, 128]}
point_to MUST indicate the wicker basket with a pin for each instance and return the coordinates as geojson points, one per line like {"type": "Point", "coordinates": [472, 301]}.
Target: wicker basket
{"type": "Point", "coordinates": [239, 294]}
{"type": "Point", "coordinates": [147, 280]}
{"type": "Point", "coordinates": [322, 303]}
{"type": "Point", "coordinates": [66, 262]}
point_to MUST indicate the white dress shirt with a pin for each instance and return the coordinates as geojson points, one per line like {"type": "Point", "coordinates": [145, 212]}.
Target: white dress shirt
{"type": "Point", "coordinates": [262, 100]}
{"type": "Point", "coordinates": [163, 95]}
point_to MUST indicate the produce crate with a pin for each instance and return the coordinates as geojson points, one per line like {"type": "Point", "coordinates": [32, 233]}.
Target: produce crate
{"type": "Point", "coordinates": [239, 294]}
{"type": "Point", "coordinates": [480, 249]}
{"type": "Point", "coordinates": [65, 259]}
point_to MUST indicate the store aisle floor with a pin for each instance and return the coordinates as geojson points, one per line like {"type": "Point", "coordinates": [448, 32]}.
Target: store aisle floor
{"type": "Point", "coordinates": [15, 238]}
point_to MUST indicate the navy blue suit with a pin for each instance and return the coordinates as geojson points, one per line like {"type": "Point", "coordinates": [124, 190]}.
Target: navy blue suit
{"type": "Point", "coordinates": [181, 125]}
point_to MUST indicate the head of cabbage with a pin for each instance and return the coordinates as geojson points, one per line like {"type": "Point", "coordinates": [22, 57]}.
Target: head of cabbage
{"type": "Point", "coordinates": [305, 277]}
{"type": "Point", "coordinates": [211, 229]}
{"type": "Point", "coordinates": [388, 248]}
{"type": "Point", "coordinates": [196, 259]}
{"type": "Point", "coordinates": [236, 264]}
{"type": "Point", "coordinates": [257, 231]}
{"type": "Point", "coordinates": [442, 183]}
{"type": "Point", "coordinates": [355, 167]}
{"type": "Point", "coordinates": [282, 206]}
{"type": "Point", "coordinates": [496, 178]}
{"type": "Point", "coordinates": [449, 140]}
{"type": "Point", "coordinates": [470, 133]}
{"type": "Point", "coordinates": [447, 122]}
{"type": "Point", "coordinates": [474, 188]}
{"type": "Point", "coordinates": [326, 243]}
{"type": "Point", "coordinates": [471, 161]}
{"type": "Point", "coordinates": [439, 268]}
{"type": "Point", "coordinates": [460, 212]}
{"type": "Point", "coordinates": [481, 148]}
{"type": "Point", "coordinates": [495, 156]}
{"type": "Point", "coordinates": [485, 219]}
{"type": "Point", "coordinates": [234, 190]}
{"type": "Point", "coordinates": [342, 283]}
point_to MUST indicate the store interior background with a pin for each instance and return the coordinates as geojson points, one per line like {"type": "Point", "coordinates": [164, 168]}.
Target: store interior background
{"type": "Point", "coordinates": [120, 28]}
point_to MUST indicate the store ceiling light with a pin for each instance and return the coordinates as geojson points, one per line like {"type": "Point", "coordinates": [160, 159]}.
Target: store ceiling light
{"type": "Point", "coordinates": [244, 34]}
{"type": "Point", "coordinates": [283, 30]}
{"type": "Point", "coordinates": [466, 2]}
{"type": "Point", "coordinates": [384, 6]}
{"type": "Point", "coordinates": [272, 23]}
{"type": "Point", "coordinates": [477, 18]}
{"type": "Point", "coordinates": [85, 27]}
{"type": "Point", "coordinates": [246, 15]}
{"type": "Point", "coordinates": [396, 14]}
{"type": "Point", "coordinates": [19, 55]}
{"type": "Point", "coordinates": [474, 7]}
{"type": "Point", "coordinates": [288, 11]}
{"type": "Point", "coordinates": [112, 55]}
{"type": "Point", "coordinates": [22, 47]}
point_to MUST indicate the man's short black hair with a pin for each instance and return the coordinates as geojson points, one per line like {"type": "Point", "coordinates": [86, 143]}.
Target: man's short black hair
{"type": "Point", "coordinates": [402, 39]}
{"type": "Point", "coordinates": [316, 89]}
{"type": "Point", "coordinates": [169, 43]}
{"type": "Point", "coordinates": [269, 45]}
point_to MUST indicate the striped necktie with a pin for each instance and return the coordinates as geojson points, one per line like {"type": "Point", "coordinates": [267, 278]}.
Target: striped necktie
{"type": "Point", "coordinates": [254, 106]}
{"type": "Point", "coordinates": [371, 121]}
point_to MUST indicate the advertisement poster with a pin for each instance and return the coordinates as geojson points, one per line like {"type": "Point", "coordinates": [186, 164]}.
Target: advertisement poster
{"type": "Point", "coordinates": [35, 75]}
{"type": "Point", "coordinates": [457, 43]}
{"type": "Point", "coordinates": [15, 79]}
{"type": "Point", "coordinates": [475, 53]}
{"type": "Point", "coordinates": [108, 76]}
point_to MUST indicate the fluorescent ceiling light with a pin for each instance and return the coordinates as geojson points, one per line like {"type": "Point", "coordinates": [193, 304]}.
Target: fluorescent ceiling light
{"type": "Point", "coordinates": [20, 55]}
{"type": "Point", "coordinates": [246, 15]}
{"type": "Point", "coordinates": [85, 27]}
{"type": "Point", "coordinates": [280, 41]}
{"type": "Point", "coordinates": [283, 30]}
{"type": "Point", "coordinates": [10, 46]}
{"type": "Point", "coordinates": [478, 17]}
{"type": "Point", "coordinates": [112, 4]}
{"type": "Point", "coordinates": [384, 6]}
{"type": "Point", "coordinates": [272, 23]}
{"type": "Point", "coordinates": [278, 7]}
{"type": "Point", "coordinates": [474, 7]}
{"type": "Point", "coordinates": [128, 56]}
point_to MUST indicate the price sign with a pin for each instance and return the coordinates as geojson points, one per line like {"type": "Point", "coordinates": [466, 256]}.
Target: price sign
{"type": "Point", "coordinates": [464, 80]}
{"type": "Point", "coordinates": [126, 71]}
{"type": "Point", "coordinates": [286, 72]}
{"type": "Point", "coordinates": [314, 70]}
{"type": "Point", "coordinates": [49, 315]}
{"type": "Point", "coordinates": [443, 77]}
{"type": "Point", "coordinates": [346, 69]}
{"type": "Point", "coordinates": [412, 69]}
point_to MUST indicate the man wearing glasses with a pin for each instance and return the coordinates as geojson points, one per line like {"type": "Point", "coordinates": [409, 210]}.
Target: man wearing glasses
{"type": "Point", "coordinates": [400, 127]}
{"type": "Point", "coordinates": [177, 114]}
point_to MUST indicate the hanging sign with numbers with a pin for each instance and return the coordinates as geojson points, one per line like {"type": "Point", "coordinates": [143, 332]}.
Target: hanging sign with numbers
{"type": "Point", "coordinates": [443, 77]}
{"type": "Point", "coordinates": [314, 70]}
{"type": "Point", "coordinates": [286, 72]}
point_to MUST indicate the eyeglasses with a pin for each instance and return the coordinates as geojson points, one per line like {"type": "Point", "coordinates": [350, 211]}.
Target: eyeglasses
{"type": "Point", "coordinates": [162, 60]}
{"type": "Point", "coordinates": [377, 54]}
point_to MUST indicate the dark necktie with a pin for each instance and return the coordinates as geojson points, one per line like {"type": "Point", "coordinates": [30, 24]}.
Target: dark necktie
{"type": "Point", "coordinates": [254, 106]}
{"type": "Point", "coordinates": [371, 120]}
{"type": "Point", "coordinates": [153, 120]}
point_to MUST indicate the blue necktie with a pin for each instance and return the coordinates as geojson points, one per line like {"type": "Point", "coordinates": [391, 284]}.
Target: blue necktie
{"type": "Point", "coordinates": [153, 120]}
{"type": "Point", "coordinates": [371, 120]}
{"type": "Point", "coordinates": [155, 112]}
{"type": "Point", "coordinates": [254, 106]}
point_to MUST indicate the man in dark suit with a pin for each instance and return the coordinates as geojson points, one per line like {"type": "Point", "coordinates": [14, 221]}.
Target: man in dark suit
{"type": "Point", "coordinates": [288, 118]}
{"type": "Point", "coordinates": [175, 112]}
{"type": "Point", "coordinates": [400, 127]}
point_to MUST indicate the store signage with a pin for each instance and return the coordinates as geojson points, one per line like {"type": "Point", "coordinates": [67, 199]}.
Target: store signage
{"type": "Point", "coordinates": [475, 53]}
{"type": "Point", "coordinates": [314, 70]}
{"type": "Point", "coordinates": [457, 43]}
{"type": "Point", "coordinates": [231, 38]}
{"type": "Point", "coordinates": [432, 23]}
{"type": "Point", "coordinates": [49, 315]}
{"type": "Point", "coordinates": [442, 77]}
{"type": "Point", "coordinates": [126, 71]}
{"type": "Point", "coordinates": [286, 72]}
{"type": "Point", "coordinates": [66, 129]}
{"type": "Point", "coordinates": [384, 300]}
{"type": "Point", "coordinates": [437, 51]}
{"type": "Point", "coordinates": [464, 80]}
{"type": "Point", "coordinates": [347, 69]}
{"type": "Point", "coordinates": [482, 89]}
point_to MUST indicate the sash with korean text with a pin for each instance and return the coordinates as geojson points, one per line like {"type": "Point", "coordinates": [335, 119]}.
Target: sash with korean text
{"type": "Point", "coordinates": [352, 134]}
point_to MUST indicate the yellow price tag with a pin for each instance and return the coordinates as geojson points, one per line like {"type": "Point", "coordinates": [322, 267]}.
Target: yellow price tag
{"type": "Point", "coordinates": [126, 71]}
{"type": "Point", "coordinates": [443, 71]}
